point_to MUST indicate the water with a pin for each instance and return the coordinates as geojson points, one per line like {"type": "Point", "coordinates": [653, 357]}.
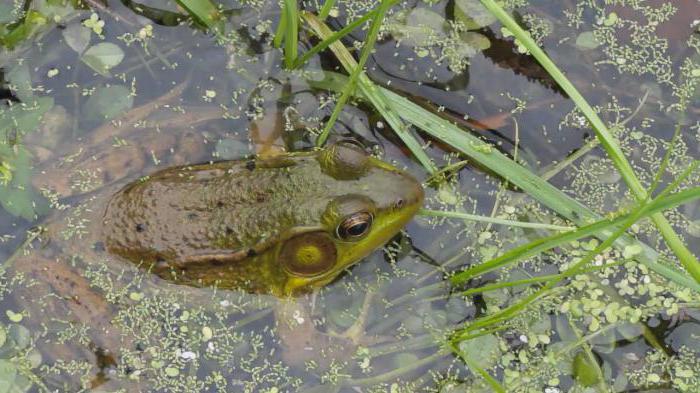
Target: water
{"type": "Point", "coordinates": [387, 317]}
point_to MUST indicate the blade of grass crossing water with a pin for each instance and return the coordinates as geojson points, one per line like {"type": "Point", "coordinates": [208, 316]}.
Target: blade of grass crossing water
{"type": "Point", "coordinates": [204, 11]}
{"type": "Point", "coordinates": [510, 311]}
{"type": "Point", "coordinates": [536, 279]}
{"type": "Point", "coordinates": [606, 138]}
{"type": "Point", "coordinates": [279, 32]}
{"type": "Point", "coordinates": [326, 9]}
{"type": "Point", "coordinates": [359, 68]}
{"type": "Point", "coordinates": [540, 245]}
{"type": "Point", "coordinates": [336, 36]}
{"type": "Point", "coordinates": [291, 35]}
{"type": "Point", "coordinates": [374, 95]}
{"type": "Point", "coordinates": [493, 220]}
{"type": "Point", "coordinates": [664, 162]}
{"type": "Point", "coordinates": [495, 385]}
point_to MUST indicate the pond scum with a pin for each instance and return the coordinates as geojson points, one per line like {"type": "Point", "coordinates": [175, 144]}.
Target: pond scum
{"type": "Point", "coordinates": [505, 283]}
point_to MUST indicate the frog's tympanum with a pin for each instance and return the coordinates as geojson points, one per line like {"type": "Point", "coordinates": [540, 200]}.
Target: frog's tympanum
{"type": "Point", "coordinates": [281, 225]}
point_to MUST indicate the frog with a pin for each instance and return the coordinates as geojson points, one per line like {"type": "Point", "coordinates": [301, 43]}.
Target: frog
{"type": "Point", "coordinates": [281, 225]}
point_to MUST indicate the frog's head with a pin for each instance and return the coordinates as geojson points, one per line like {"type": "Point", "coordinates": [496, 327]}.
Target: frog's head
{"type": "Point", "coordinates": [368, 202]}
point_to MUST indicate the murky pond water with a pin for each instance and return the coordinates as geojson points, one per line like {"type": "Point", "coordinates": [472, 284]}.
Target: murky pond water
{"type": "Point", "coordinates": [95, 97]}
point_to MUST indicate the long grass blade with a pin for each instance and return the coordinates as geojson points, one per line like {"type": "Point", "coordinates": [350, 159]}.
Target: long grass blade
{"type": "Point", "coordinates": [291, 35]}
{"type": "Point", "coordinates": [606, 138]}
{"type": "Point", "coordinates": [335, 36]}
{"type": "Point", "coordinates": [326, 9]}
{"type": "Point", "coordinates": [376, 96]}
{"type": "Point", "coordinates": [493, 220]}
{"type": "Point", "coordinates": [543, 244]}
{"type": "Point", "coordinates": [642, 210]}
{"type": "Point", "coordinates": [204, 11]}
{"type": "Point", "coordinates": [536, 279]}
{"type": "Point", "coordinates": [359, 69]}
{"type": "Point", "coordinates": [495, 385]}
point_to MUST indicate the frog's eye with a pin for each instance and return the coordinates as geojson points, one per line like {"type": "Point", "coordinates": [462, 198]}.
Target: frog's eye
{"type": "Point", "coordinates": [355, 226]}
{"type": "Point", "coordinates": [308, 254]}
{"type": "Point", "coordinates": [344, 161]}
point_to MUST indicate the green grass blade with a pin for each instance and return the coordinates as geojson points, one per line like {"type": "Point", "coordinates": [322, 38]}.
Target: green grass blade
{"type": "Point", "coordinates": [606, 138]}
{"type": "Point", "coordinates": [665, 160]}
{"type": "Point", "coordinates": [495, 385]}
{"type": "Point", "coordinates": [336, 36]}
{"type": "Point", "coordinates": [536, 279]}
{"type": "Point", "coordinates": [359, 69]}
{"type": "Point", "coordinates": [291, 32]}
{"type": "Point", "coordinates": [493, 220]}
{"type": "Point", "coordinates": [376, 96]}
{"type": "Point", "coordinates": [326, 9]}
{"type": "Point", "coordinates": [640, 211]}
{"type": "Point", "coordinates": [544, 192]}
{"type": "Point", "coordinates": [279, 32]}
{"type": "Point", "coordinates": [204, 11]}
{"type": "Point", "coordinates": [543, 244]}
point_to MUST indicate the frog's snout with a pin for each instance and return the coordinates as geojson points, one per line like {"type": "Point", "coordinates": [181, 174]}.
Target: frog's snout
{"type": "Point", "coordinates": [408, 192]}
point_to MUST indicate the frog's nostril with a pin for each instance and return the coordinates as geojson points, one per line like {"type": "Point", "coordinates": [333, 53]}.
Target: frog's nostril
{"type": "Point", "coordinates": [399, 203]}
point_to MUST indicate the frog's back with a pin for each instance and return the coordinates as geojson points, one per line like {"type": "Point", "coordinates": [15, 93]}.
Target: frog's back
{"type": "Point", "coordinates": [209, 208]}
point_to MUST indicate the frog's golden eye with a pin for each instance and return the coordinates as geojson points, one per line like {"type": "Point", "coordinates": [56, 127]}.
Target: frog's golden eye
{"type": "Point", "coordinates": [355, 226]}
{"type": "Point", "coordinates": [344, 161]}
{"type": "Point", "coordinates": [308, 254]}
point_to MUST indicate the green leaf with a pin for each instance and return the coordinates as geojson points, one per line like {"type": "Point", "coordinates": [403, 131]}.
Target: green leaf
{"type": "Point", "coordinates": [483, 351]}
{"type": "Point", "coordinates": [478, 42]}
{"type": "Point", "coordinates": [587, 41]}
{"type": "Point", "coordinates": [472, 14]}
{"type": "Point", "coordinates": [17, 196]}
{"type": "Point", "coordinates": [21, 82]}
{"type": "Point", "coordinates": [8, 373]}
{"type": "Point", "coordinates": [107, 102]}
{"type": "Point", "coordinates": [630, 331]}
{"type": "Point", "coordinates": [77, 37]}
{"type": "Point", "coordinates": [19, 119]}
{"type": "Point", "coordinates": [605, 342]}
{"type": "Point", "coordinates": [20, 335]}
{"type": "Point", "coordinates": [584, 371]}
{"type": "Point", "coordinates": [33, 21]}
{"type": "Point", "coordinates": [103, 57]}
{"type": "Point", "coordinates": [418, 27]}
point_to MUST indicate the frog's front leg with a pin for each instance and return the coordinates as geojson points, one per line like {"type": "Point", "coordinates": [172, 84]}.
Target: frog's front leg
{"type": "Point", "coordinates": [356, 332]}
{"type": "Point", "coordinates": [56, 290]}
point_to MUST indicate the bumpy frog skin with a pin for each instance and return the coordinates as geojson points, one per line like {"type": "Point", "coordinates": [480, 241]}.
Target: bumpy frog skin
{"type": "Point", "coordinates": [281, 226]}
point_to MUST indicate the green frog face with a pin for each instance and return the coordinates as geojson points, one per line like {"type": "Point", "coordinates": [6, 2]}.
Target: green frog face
{"type": "Point", "coordinates": [280, 226]}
